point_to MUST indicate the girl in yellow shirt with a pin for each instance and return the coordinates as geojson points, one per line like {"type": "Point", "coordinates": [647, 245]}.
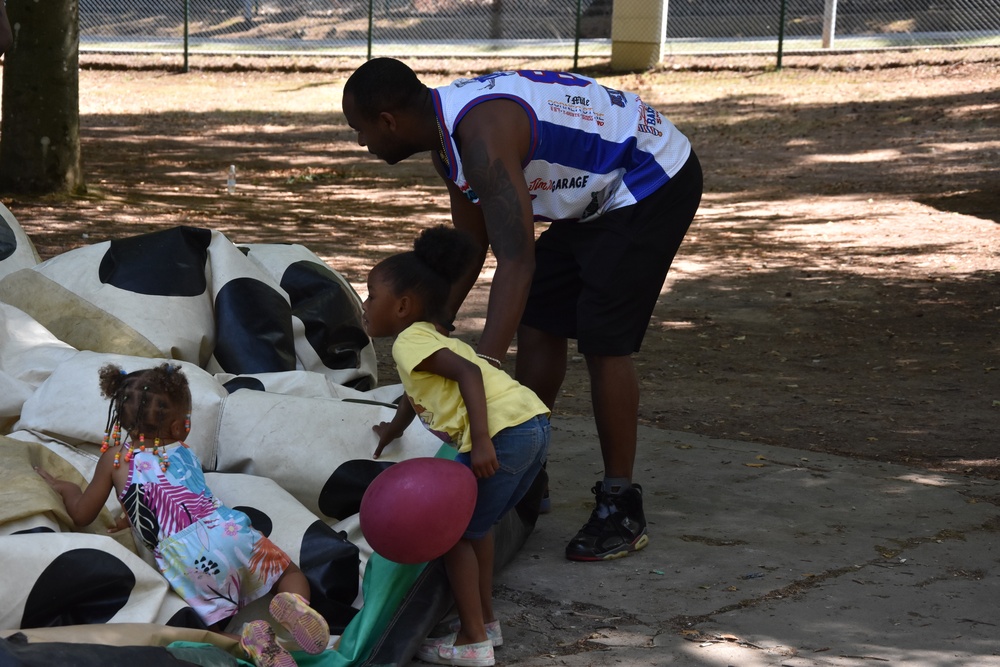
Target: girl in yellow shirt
{"type": "Point", "coordinates": [500, 427]}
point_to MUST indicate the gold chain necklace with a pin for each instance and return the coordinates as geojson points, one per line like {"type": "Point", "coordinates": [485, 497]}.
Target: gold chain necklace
{"type": "Point", "coordinates": [441, 148]}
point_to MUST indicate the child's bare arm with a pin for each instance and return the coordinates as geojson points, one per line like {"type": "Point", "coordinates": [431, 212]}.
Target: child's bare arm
{"type": "Point", "coordinates": [447, 364]}
{"type": "Point", "coordinates": [83, 506]}
{"type": "Point", "coordinates": [390, 430]}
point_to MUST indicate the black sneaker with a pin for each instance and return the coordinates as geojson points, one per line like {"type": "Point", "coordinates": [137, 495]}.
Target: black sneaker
{"type": "Point", "coordinates": [617, 527]}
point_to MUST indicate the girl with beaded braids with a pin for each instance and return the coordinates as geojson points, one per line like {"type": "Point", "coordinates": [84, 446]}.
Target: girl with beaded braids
{"type": "Point", "coordinates": [500, 428]}
{"type": "Point", "coordinates": [210, 553]}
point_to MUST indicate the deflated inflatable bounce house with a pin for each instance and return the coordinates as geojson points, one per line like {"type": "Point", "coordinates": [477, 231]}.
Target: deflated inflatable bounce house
{"type": "Point", "coordinates": [284, 386]}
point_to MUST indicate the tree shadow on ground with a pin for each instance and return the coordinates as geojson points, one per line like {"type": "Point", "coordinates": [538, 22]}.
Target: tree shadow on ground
{"type": "Point", "coordinates": [814, 304]}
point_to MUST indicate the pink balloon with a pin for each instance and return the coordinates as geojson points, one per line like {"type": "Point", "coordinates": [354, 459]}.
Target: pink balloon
{"type": "Point", "coordinates": [416, 510]}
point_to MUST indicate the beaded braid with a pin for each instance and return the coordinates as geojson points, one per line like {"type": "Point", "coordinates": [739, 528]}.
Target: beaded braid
{"type": "Point", "coordinates": [140, 401]}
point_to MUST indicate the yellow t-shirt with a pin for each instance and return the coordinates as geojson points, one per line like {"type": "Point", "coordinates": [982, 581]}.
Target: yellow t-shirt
{"type": "Point", "coordinates": [438, 401]}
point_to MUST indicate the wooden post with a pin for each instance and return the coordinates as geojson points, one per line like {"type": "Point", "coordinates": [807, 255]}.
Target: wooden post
{"type": "Point", "coordinates": [638, 28]}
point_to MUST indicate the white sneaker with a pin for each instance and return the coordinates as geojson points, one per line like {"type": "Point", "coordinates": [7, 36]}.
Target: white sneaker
{"type": "Point", "coordinates": [492, 630]}
{"type": "Point", "coordinates": [468, 655]}
{"type": "Point", "coordinates": [428, 651]}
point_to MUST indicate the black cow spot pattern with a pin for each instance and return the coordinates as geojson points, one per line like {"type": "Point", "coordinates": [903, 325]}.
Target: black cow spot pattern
{"type": "Point", "coordinates": [258, 519]}
{"type": "Point", "coordinates": [79, 587]}
{"type": "Point", "coordinates": [8, 241]}
{"type": "Point", "coordinates": [341, 495]}
{"type": "Point", "coordinates": [243, 382]}
{"type": "Point", "coordinates": [253, 329]}
{"type": "Point", "coordinates": [187, 618]}
{"type": "Point", "coordinates": [331, 315]}
{"type": "Point", "coordinates": [37, 529]}
{"type": "Point", "coordinates": [167, 263]}
{"type": "Point", "coordinates": [331, 563]}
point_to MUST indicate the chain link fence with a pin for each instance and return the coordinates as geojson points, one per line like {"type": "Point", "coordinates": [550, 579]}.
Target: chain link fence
{"type": "Point", "coordinates": [522, 28]}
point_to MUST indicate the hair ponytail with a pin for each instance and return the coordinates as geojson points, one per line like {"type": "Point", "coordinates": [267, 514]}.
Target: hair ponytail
{"type": "Point", "coordinates": [446, 251]}
{"type": "Point", "coordinates": [440, 257]}
{"type": "Point", "coordinates": [131, 393]}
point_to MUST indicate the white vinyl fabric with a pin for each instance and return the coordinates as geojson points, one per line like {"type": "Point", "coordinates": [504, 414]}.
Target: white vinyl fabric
{"type": "Point", "coordinates": [276, 438]}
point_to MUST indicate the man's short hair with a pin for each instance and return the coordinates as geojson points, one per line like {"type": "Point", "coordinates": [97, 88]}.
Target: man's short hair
{"type": "Point", "coordinates": [383, 84]}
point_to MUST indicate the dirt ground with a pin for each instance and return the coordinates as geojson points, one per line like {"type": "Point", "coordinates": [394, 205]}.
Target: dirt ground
{"type": "Point", "coordinates": [838, 291]}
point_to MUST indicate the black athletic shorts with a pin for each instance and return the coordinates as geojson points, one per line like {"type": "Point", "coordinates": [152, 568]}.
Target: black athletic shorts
{"type": "Point", "coordinates": [598, 281]}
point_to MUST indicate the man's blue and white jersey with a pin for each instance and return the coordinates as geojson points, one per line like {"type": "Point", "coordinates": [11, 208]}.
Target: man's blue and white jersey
{"type": "Point", "coordinates": [593, 149]}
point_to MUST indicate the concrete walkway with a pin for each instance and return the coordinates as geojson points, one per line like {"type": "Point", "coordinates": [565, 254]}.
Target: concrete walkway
{"type": "Point", "coordinates": [759, 556]}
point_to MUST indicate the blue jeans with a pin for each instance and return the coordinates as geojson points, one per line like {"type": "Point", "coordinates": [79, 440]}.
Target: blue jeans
{"type": "Point", "coordinates": [520, 450]}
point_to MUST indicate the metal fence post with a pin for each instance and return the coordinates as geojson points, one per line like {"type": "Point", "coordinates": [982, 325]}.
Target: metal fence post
{"type": "Point", "coordinates": [781, 32]}
{"type": "Point", "coordinates": [371, 25]}
{"type": "Point", "coordinates": [576, 41]}
{"type": "Point", "coordinates": [829, 23]}
{"type": "Point", "coordinates": [186, 14]}
{"type": "Point", "coordinates": [633, 32]}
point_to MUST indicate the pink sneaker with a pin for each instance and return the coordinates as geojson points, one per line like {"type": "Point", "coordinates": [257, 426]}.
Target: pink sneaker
{"type": "Point", "coordinates": [258, 641]}
{"type": "Point", "coordinates": [306, 625]}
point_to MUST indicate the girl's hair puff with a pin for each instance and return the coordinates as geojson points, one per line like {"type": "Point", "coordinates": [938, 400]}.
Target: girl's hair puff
{"type": "Point", "coordinates": [440, 257]}
{"type": "Point", "coordinates": [143, 401]}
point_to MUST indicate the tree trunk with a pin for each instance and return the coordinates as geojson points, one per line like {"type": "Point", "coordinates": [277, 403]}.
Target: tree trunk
{"type": "Point", "coordinates": [40, 125]}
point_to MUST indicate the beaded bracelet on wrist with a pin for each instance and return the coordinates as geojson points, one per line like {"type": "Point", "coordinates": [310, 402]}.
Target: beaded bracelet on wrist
{"type": "Point", "coordinates": [493, 360]}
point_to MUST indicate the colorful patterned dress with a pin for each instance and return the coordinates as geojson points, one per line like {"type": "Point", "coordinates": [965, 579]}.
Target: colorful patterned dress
{"type": "Point", "coordinates": [210, 554]}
